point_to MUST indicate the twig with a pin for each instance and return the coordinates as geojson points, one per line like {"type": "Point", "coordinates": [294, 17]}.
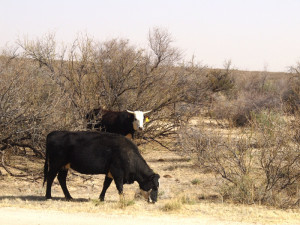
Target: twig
{"type": "Point", "coordinates": [161, 144]}
{"type": "Point", "coordinates": [81, 176]}
{"type": "Point", "coordinates": [7, 170]}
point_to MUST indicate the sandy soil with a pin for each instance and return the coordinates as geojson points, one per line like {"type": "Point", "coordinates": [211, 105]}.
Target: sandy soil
{"type": "Point", "coordinates": [17, 216]}
{"type": "Point", "coordinates": [187, 195]}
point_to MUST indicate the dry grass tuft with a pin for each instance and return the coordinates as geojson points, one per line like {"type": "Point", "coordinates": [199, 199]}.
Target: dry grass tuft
{"type": "Point", "coordinates": [122, 204]}
{"type": "Point", "coordinates": [172, 205]}
{"type": "Point", "coordinates": [176, 204]}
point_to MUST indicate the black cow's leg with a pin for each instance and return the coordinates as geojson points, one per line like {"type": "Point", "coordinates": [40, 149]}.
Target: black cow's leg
{"type": "Point", "coordinates": [118, 176]}
{"type": "Point", "coordinates": [119, 185]}
{"type": "Point", "coordinates": [50, 177]}
{"type": "Point", "coordinates": [106, 185]}
{"type": "Point", "coordinates": [62, 176]}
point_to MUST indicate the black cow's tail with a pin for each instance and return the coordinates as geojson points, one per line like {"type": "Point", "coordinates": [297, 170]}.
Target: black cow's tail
{"type": "Point", "coordinates": [46, 166]}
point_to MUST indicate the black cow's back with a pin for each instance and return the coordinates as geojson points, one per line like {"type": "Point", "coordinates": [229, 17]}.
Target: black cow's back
{"type": "Point", "coordinates": [118, 122]}
{"type": "Point", "coordinates": [111, 121]}
{"type": "Point", "coordinates": [90, 152]}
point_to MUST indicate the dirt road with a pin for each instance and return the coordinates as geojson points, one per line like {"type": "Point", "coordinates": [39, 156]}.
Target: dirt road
{"type": "Point", "coordinates": [17, 216]}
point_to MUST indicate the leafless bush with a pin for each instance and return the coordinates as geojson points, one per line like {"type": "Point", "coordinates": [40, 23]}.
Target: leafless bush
{"type": "Point", "coordinates": [27, 105]}
{"type": "Point", "coordinates": [254, 94]}
{"type": "Point", "coordinates": [262, 166]}
{"type": "Point", "coordinates": [49, 86]}
{"type": "Point", "coordinates": [220, 80]}
{"type": "Point", "coordinates": [117, 76]}
{"type": "Point", "coordinates": [291, 94]}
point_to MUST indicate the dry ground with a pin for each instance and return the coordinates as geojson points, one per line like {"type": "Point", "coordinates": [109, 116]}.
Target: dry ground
{"type": "Point", "coordinates": [187, 196]}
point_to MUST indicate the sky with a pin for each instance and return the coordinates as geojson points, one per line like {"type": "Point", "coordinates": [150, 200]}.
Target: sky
{"type": "Point", "coordinates": [253, 34]}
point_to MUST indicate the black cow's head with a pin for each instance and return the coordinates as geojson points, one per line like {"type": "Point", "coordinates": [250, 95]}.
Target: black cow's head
{"type": "Point", "coordinates": [149, 188]}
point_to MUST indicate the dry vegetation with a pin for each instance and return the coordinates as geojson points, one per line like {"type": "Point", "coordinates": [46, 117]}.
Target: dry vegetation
{"type": "Point", "coordinates": [219, 137]}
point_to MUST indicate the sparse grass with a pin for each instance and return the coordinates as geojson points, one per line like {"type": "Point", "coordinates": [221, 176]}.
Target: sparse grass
{"type": "Point", "coordinates": [122, 204]}
{"type": "Point", "coordinates": [177, 203]}
{"type": "Point", "coordinates": [96, 202]}
{"type": "Point", "coordinates": [171, 205]}
{"type": "Point", "coordinates": [196, 181]}
{"type": "Point", "coordinates": [160, 194]}
{"type": "Point", "coordinates": [187, 200]}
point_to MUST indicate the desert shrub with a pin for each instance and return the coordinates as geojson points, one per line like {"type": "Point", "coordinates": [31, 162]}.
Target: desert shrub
{"type": "Point", "coordinates": [292, 94]}
{"type": "Point", "coordinates": [239, 111]}
{"type": "Point", "coordinates": [45, 86]}
{"type": "Point", "coordinates": [268, 121]}
{"type": "Point", "coordinates": [117, 76]}
{"type": "Point", "coordinates": [260, 166]}
{"type": "Point", "coordinates": [27, 104]}
{"type": "Point", "coordinates": [291, 100]}
{"type": "Point", "coordinates": [295, 126]}
{"type": "Point", "coordinates": [251, 96]}
{"type": "Point", "coordinates": [220, 80]}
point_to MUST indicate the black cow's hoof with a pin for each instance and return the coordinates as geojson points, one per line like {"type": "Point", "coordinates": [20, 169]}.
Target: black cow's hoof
{"type": "Point", "coordinates": [69, 199]}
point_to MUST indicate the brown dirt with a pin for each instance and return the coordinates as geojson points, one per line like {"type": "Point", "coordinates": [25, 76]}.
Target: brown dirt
{"type": "Point", "coordinates": [187, 196]}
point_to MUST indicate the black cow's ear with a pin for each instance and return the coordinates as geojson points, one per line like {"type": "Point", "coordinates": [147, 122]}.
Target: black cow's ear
{"type": "Point", "coordinates": [154, 176]}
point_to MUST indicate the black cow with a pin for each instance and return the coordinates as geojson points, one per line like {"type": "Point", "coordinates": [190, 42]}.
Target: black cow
{"type": "Point", "coordinates": [97, 153]}
{"type": "Point", "coordinates": [124, 122]}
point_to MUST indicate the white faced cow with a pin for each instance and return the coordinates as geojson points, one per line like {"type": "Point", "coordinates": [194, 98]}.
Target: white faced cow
{"type": "Point", "coordinates": [124, 122]}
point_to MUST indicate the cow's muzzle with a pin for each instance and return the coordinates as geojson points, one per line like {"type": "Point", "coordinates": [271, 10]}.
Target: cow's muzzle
{"type": "Point", "coordinates": [153, 196]}
{"type": "Point", "coordinates": [150, 196]}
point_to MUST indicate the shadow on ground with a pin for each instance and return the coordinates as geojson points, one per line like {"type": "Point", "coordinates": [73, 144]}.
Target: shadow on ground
{"type": "Point", "coordinates": [35, 198]}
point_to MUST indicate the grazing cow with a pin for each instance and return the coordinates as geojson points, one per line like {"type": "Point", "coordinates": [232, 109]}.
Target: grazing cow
{"type": "Point", "coordinates": [125, 122]}
{"type": "Point", "coordinates": [91, 152]}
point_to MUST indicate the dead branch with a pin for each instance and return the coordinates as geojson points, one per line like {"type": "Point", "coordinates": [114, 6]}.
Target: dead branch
{"type": "Point", "coordinates": [6, 168]}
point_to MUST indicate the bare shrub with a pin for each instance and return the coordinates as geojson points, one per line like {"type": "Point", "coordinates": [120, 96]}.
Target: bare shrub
{"type": "Point", "coordinates": [253, 94]}
{"type": "Point", "coordinates": [291, 93]}
{"type": "Point", "coordinates": [118, 76]}
{"type": "Point", "coordinates": [279, 160]}
{"type": "Point", "coordinates": [72, 70]}
{"type": "Point", "coordinates": [260, 166]}
{"type": "Point", "coordinates": [47, 86]}
{"type": "Point", "coordinates": [27, 105]}
{"type": "Point", "coordinates": [291, 100]}
{"type": "Point", "coordinates": [228, 158]}
{"type": "Point", "coordinates": [220, 80]}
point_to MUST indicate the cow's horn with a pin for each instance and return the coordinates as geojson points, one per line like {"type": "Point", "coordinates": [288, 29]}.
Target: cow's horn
{"type": "Point", "coordinates": [129, 111]}
{"type": "Point", "coordinates": [147, 112]}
